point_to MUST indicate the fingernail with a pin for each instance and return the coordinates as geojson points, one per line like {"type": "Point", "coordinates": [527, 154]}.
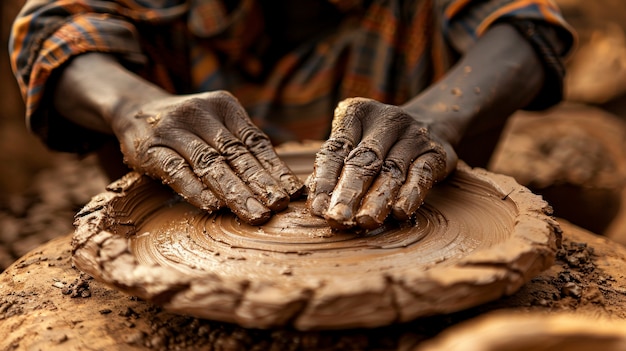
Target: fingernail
{"type": "Point", "coordinates": [277, 199]}
{"type": "Point", "coordinates": [371, 219]}
{"type": "Point", "coordinates": [257, 213]}
{"type": "Point", "coordinates": [399, 210]}
{"type": "Point", "coordinates": [340, 216]}
{"type": "Point", "coordinates": [320, 204]}
{"type": "Point", "coordinates": [367, 222]}
{"type": "Point", "coordinates": [400, 214]}
{"type": "Point", "coordinates": [405, 208]}
{"type": "Point", "coordinates": [340, 210]}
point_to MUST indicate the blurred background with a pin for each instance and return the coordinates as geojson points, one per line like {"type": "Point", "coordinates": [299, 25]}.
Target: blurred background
{"type": "Point", "coordinates": [40, 190]}
{"type": "Point", "coordinates": [574, 155]}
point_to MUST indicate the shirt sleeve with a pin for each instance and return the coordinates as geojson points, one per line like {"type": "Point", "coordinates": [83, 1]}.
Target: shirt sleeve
{"type": "Point", "coordinates": [539, 21]}
{"type": "Point", "coordinates": [46, 34]}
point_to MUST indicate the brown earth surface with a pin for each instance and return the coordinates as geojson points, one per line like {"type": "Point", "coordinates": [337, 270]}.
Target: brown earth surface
{"type": "Point", "coordinates": [46, 304]}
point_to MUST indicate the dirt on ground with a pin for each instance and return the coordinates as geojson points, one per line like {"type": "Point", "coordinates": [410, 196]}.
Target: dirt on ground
{"type": "Point", "coordinates": [45, 209]}
{"type": "Point", "coordinates": [45, 303]}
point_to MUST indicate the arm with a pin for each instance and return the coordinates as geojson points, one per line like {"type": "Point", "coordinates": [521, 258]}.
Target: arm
{"type": "Point", "coordinates": [387, 157]}
{"type": "Point", "coordinates": [203, 145]}
{"type": "Point", "coordinates": [498, 76]}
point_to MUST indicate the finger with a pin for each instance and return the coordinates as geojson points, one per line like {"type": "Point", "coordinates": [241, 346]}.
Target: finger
{"type": "Point", "coordinates": [261, 147]}
{"type": "Point", "coordinates": [168, 166]}
{"type": "Point", "coordinates": [383, 126]}
{"type": "Point", "coordinates": [360, 168]}
{"type": "Point", "coordinates": [345, 134]}
{"type": "Point", "coordinates": [326, 171]}
{"type": "Point", "coordinates": [241, 160]}
{"type": "Point", "coordinates": [248, 168]}
{"type": "Point", "coordinates": [215, 172]}
{"type": "Point", "coordinates": [425, 171]}
{"type": "Point", "coordinates": [377, 202]}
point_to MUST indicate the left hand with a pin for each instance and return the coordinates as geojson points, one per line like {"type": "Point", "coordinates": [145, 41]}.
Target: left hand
{"type": "Point", "coordinates": [206, 148]}
{"type": "Point", "coordinates": [378, 160]}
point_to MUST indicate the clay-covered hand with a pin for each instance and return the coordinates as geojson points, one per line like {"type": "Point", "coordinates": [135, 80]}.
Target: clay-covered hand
{"type": "Point", "coordinates": [207, 149]}
{"type": "Point", "coordinates": [378, 160]}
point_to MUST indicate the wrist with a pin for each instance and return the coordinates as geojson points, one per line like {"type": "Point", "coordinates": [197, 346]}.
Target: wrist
{"type": "Point", "coordinates": [122, 112]}
{"type": "Point", "coordinates": [96, 92]}
{"type": "Point", "coordinates": [442, 123]}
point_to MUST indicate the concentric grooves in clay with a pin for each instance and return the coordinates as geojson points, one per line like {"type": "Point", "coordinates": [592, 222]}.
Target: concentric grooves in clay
{"type": "Point", "coordinates": [294, 246]}
{"type": "Point", "coordinates": [477, 237]}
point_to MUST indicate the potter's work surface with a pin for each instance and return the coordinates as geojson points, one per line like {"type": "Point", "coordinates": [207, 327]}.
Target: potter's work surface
{"type": "Point", "coordinates": [479, 236]}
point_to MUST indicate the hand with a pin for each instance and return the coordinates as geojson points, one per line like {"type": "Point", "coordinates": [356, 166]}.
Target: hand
{"type": "Point", "coordinates": [206, 148]}
{"type": "Point", "coordinates": [378, 159]}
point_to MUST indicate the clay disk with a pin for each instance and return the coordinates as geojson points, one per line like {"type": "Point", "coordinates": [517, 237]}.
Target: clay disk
{"type": "Point", "coordinates": [477, 237]}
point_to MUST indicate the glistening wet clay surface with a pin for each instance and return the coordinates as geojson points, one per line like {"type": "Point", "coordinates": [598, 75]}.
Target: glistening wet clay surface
{"type": "Point", "coordinates": [464, 215]}
{"type": "Point", "coordinates": [479, 236]}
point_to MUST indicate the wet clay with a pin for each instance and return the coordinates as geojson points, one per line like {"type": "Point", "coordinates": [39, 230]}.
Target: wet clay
{"type": "Point", "coordinates": [479, 236]}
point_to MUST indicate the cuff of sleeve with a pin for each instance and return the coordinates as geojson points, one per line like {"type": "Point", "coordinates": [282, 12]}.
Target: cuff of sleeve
{"type": "Point", "coordinates": [464, 21]}
{"type": "Point", "coordinates": [82, 34]}
{"type": "Point", "coordinates": [537, 35]}
{"type": "Point", "coordinates": [539, 21]}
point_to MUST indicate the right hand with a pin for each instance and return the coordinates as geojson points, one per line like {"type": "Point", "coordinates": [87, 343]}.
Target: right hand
{"type": "Point", "coordinates": [206, 148]}
{"type": "Point", "coordinates": [379, 160]}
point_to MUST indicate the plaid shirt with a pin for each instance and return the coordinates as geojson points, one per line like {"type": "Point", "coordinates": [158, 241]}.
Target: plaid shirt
{"type": "Point", "coordinates": [389, 50]}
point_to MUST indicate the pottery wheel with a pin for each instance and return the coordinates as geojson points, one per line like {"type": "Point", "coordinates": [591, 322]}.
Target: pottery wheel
{"type": "Point", "coordinates": [477, 237]}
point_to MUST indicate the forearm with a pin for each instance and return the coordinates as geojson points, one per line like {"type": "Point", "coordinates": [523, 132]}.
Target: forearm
{"type": "Point", "coordinates": [95, 91]}
{"type": "Point", "coordinates": [500, 74]}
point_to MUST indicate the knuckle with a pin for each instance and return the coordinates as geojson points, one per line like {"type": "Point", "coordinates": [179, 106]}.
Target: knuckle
{"type": "Point", "coordinates": [222, 95]}
{"type": "Point", "coordinates": [254, 138]}
{"type": "Point", "coordinates": [355, 107]}
{"type": "Point", "coordinates": [395, 113]}
{"type": "Point", "coordinates": [229, 147]}
{"type": "Point", "coordinates": [226, 104]}
{"type": "Point", "coordinates": [142, 149]}
{"type": "Point", "coordinates": [198, 107]}
{"type": "Point", "coordinates": [202, 158]}
{"type": "Point", "coordinates": [163, 164]}
{"type": "Point", "coordinates": [423, 166]}
{"type": "Point", "coordinates": [189, 108]}
{"type": "Point", "coordinates": [332, 153]}
{"type": "Point", "coordinates": [419, 133]}
{"type": "Point", "coordinates": [438, 165]}
{"type": "Point", "coordinates": [438, 151]}
{"type": "Point", "coordinates": [336, 146]}
{"type": "Point", "coordinates": [173, 165]}
{"type": "Point", "coordinates": [366, 160]}
{"type": "Point", "coordinates": [394, 167]}
{"type": "Point", "coordinates": [353, 102]}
